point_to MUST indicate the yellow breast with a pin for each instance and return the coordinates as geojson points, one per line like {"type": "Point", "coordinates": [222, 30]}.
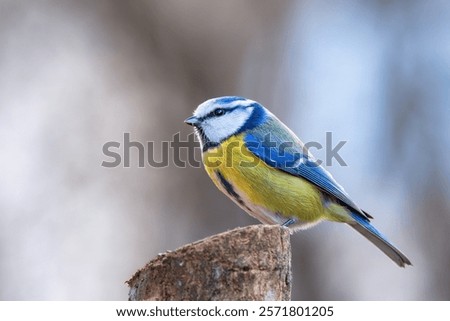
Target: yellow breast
{"type": "Point", "coordinates": [269, 194]}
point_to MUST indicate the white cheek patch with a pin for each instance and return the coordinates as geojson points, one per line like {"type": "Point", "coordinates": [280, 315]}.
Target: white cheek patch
{"type": "Point", "coordinates": [220, 128]}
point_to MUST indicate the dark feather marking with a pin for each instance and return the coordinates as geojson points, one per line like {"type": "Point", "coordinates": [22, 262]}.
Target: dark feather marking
{"type": "Point", "coordinates": [368, 215]}
{"type": "Point", "coordinates": [230, 190]}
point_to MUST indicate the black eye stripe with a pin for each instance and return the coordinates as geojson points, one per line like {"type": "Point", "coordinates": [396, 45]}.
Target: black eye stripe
{"type": "Point", "coordinates": [218, 112]}
{"type": "Point", "coordinates": [225, 111]}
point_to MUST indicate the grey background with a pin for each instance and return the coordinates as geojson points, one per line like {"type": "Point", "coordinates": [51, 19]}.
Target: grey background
{"type": "Point", "coordinates": [77, 74]}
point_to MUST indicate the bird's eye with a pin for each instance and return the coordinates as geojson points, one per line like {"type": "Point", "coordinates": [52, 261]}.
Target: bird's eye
{"type": "Point", "coordinates": [219, 112]}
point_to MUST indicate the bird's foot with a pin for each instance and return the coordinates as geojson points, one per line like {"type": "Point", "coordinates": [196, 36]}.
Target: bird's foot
{"type": "Point", "coordinates": [289, 222]}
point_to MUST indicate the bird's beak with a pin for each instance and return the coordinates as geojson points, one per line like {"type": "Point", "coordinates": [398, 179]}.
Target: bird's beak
{"type": "Point", "coordinates": [193, 121]}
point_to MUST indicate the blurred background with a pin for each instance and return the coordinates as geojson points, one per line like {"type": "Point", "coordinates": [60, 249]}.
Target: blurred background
{"type": "Point", "coordinates": [77, 74]}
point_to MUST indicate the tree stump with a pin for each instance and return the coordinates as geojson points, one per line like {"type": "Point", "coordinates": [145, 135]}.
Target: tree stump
{"type": "Point", "coordinates": [250, 263]}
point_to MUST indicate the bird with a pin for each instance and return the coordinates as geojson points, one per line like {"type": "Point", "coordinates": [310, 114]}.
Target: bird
{"type": "Point", "coordinates": [260, 164]}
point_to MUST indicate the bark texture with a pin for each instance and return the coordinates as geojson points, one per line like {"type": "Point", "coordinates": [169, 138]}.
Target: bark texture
{"type": "Point", "coordinates": [250, 263]}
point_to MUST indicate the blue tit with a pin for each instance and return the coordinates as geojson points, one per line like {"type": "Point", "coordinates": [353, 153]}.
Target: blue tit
{"type": "Point", "coordinates": [260, 164]}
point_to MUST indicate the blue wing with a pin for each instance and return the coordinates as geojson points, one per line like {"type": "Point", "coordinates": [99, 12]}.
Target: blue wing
{"type": "Point", "coordinates": [281, 150]}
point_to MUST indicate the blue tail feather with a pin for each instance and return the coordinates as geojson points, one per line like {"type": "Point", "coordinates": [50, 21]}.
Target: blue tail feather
{"type": "Point", "coordinates": [363, 226]}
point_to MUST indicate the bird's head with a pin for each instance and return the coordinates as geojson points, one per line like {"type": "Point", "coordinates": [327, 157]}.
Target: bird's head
{"type": "Point", "coordinates": [217, 119]}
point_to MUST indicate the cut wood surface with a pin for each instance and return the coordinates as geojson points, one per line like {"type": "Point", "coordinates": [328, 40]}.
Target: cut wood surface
{"type": "Point", "coordinates": [249, 263]}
